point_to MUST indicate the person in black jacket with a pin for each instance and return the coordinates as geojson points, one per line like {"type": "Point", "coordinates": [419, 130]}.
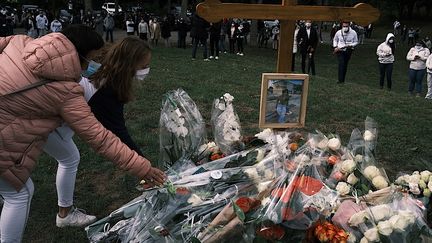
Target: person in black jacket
{"type": "Point", "coordinates": [240, 36]}
{"type": "Point", "coordinates": [307, 39]}
{"type": "Point", "coordinates": [182, 29]}
{"type": "Point", "coordinates": [215, 30]}
{"type": "Point", "coordinates": [200, 27]}
{"type": "Point", "coordinates": [232, 33]}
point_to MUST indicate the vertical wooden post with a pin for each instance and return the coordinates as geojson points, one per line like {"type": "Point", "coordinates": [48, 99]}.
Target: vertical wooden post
{"type": "Point", "coordinates": [286, 41]}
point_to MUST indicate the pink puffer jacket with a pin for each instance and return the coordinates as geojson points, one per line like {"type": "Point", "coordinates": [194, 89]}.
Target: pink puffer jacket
{"type": "Point", "coordinates": [28, 117]}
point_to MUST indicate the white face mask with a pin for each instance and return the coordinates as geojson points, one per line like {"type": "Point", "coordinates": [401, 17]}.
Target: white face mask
{"type": "Point", "coordinates": [345, 29]}
{"type": "Point", "coordinates": [142, 74]}
{"type": "Point", "coordinates": [391, 41]}
{"type": "Point", "coordinates": [308, 25]}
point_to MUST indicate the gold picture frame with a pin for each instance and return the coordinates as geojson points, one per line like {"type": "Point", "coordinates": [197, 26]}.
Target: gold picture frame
{"type": "Point", "coordinates": [283, 100]}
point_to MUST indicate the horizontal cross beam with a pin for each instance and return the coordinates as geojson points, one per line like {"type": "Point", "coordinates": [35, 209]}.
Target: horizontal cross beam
{"type": "Point", "coordinates": [214, 11]}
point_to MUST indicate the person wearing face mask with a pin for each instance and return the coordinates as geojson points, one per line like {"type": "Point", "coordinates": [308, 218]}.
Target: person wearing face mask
{"type": "Point", "coordinates": [232, 33]}
{"type": "Point", "coordinates": [417, 56]}
{"type": "Point", "coordinates": [41, 24]}
{"type": "Point", "coordinates": [143, 29]}
{"type": "Point", "coordinates": [344, 42]}
{"type": "Point", "coordinates": [307, 39]}
{"type": "Point", "coordinates": [38, 92]}
{"type": "Point", "coordinates": [385, 52]}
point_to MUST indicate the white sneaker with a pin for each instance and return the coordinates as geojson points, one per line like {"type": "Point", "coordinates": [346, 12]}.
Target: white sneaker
{"type": "Point", "coordinates": [206, 60]}
{"type": "Point", "coordinates": [75, 218]}
{"type": "Point", "coordinates": [241, 54]}
{"type": "Point", "coordinates": [216, 57]}
{"type": "Point", "coordinates": [211, 57]}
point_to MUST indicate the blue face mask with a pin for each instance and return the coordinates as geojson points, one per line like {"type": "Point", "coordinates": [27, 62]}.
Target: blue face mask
{"type": "Point", "coordinates": [91, 69]}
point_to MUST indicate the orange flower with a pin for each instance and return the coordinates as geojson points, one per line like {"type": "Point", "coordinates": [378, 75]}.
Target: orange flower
{"type": "Point", "coordinates": [291, 166]}
{"type": "Point", "coordinates": [293, 146]}
{"type": "Point", "coordinates": [328, 232]}
{"type": "Point", "coordinates": [337, 175]}
{"type": "Point", "coordinates": [215, 157]}
{"type": "Point", "coordinates": [332, 160]}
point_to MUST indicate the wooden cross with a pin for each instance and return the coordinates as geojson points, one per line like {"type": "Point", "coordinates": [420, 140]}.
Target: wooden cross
{"type": "Point", "coordinates": [287, 14]}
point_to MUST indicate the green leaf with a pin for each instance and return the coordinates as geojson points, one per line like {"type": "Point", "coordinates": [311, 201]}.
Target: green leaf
{"type": "Point", "coordinates": [240, 214]}
{"type": "Point", "coordinates": [194, 240]}
{"type": "Point", "coordinates": [171, 188]}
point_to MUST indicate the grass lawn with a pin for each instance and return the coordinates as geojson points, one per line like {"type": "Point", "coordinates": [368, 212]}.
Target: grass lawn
{"type": "Point", "coordinates": [405, 130]}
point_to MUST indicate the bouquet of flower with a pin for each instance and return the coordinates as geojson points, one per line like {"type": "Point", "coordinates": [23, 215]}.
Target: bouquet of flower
{"type": "Point", "coordinates": [182, 128]}
{"type": "Point", "coordinates": [398, 221]}
{"type": "Point", "coordinates": [418, 183]}
{"type": "Point", "coordinates": [226, 125]}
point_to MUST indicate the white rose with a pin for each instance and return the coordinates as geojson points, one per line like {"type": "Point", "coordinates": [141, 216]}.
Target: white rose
{"type": "Point", "coordinates": [302, 158]}
{"type": "Point", "coordinates": [408, 215]}
{"type": "Point", "coordinates": [381, 212]}
{"type": "Point", "coordinates": [343, 188]}
{"type": "Point", "coordinates": [414, 178]}
{"type": "Point", "coordinates": [371, 171]}
{"type": "Point", "coordinates": [358, 218]}
{"type": "Point", "coordinates": [323, 144]}
{"type": "Point", "coordinates": [268, 174]}
{"type": "Point", "coordinates": [265, 201]}
{"type": "Point", "coordinates": [401, 180]}
{"type": "Point", "coordinates": [334, 144]}
{"type": "Point", "coordinates": [430, 184]}
{"type": "Point", "coordinates": [228, 98]}
{"type": "Point", "coordinates": [414, 189]}
{"type": "Point", "coordinates": [194, 200]}
{"type": "Point", "coordinates": [266, 135]}
{"type": "Point", "coordinates": [398, 223]}
{"type": "Point", "coordinates": [352, 179]}
{"type": "Point", "coordinates": [372, 235]}
{"type": "Point", "coordinates": [358, 158]}
{"type": "Point", "coordinates": [379, 182]}
{"type": "Point", "coordinates": [364, 240]}
{"type": "Point", "coordinates": [260, 155]}
{"type": "Point", "coordinates": [263, 186]}
{"type": "Point", "coordinates": [352, 238]}
{"type": "Point", "coordinates": [348, 166]}
{"type": "Point", "coordinates": [422, 184]}
{"type": "Point", "coordinates": [251, 173]}
{"type": "Point", "coordinates": [427, 192]}
{"type": "Point", "coordinates": [425, 175]}
{"type": "Point", "coordinates": [385, 228]}
{"type": "Point", "coordinates": [368, 136]}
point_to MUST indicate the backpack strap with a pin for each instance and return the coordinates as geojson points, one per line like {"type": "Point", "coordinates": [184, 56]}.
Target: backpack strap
{"type": "Point", "coordinates": [28, 87]}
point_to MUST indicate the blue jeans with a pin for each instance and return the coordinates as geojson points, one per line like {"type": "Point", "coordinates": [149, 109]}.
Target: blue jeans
{"type": "Point", "coordinates": [281, 110]}
{"type": "Point", "coordinates": [416, 79]}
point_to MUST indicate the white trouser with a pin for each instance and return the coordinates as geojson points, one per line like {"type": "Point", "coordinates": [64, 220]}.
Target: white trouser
{"type": "Point", "coordinates": [15, 210]}
{"type": "Point", "coordinates": [64, 150]}
{"type": "Point", "coordinates": [429, 85]}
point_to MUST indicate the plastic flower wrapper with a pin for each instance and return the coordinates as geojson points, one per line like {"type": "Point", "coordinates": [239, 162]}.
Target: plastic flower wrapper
{"type": "Point", "coordinates": [182, 128]}
{"type": "Point", "coordinates": [370, 134]}
{"type": "Point", "coordinates": [226, 125]}
{"type": "Point", "coordinates": [401, 220]}
{"type": "Point", "coordinates": [300, 196]}
{"type": "Point", "coordinates": [419, 184]}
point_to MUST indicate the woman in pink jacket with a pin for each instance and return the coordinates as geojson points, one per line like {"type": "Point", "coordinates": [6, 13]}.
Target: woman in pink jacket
{"type": "Point", "coordinates": [38, 91]}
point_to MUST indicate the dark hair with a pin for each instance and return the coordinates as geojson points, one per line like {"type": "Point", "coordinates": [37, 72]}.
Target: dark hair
{"type": "Point", "coordinates": [84, 38]}
{"type": "Point", "coordinates": [118, 74]}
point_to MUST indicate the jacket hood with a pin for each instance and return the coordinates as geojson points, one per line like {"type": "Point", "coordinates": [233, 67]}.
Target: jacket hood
{"type": "Point", "coordinates": [53, 57]}
{"type": "Point", "coordinates": [389, 35]}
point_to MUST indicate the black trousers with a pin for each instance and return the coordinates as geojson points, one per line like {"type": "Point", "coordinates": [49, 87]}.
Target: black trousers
{"type": "Point", "coordinates": [231, 45]}
{"type": "Point", "coordinates": [310, 59]}
{"type": "Point", "coordinates": [293, 62]}
{"type": "Point", "coordinates": [143, 36]}
{"type": "Point", "coordinates": [386, 69]}
{"type": "Point", "coordinates": [240, 45]}
{"type": "Point", "coordinates": [110, 34]}
{"type": "Point", "coordinates": [343, 59]}
{"type": "Point", "coordinates": [214, 44]}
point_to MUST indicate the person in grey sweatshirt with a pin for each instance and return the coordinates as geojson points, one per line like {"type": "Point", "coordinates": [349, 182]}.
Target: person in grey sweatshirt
{"type": "Point", "coordinates": [385, 53]}
{"type": "Point", "coordinates": [417, 56]}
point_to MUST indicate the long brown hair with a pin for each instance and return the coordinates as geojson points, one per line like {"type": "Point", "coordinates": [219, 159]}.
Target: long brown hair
{"type": "Point", "coordinates": [119, 67]}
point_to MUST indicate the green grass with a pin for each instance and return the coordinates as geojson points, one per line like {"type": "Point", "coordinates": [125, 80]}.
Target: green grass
{"type": "Point", "coordinates": [405, 129]}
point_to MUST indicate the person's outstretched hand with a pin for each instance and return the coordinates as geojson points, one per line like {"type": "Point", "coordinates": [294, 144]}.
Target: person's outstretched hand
{"type": "Point", "coordinates": [155, 177]}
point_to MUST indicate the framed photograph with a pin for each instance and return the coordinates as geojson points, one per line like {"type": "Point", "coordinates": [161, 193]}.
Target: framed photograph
{"type": "Point", "coordinates": [283, 100]}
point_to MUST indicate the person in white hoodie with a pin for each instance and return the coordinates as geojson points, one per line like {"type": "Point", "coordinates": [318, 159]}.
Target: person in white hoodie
{"type": "Point", "coordinates": [41, 24]}
{"type": "Point", "coordinates": [417, 56]}
{"type": "Point", "coordinates": [429, 77]}
{"type": "Point", "coordinates": [385, 52]}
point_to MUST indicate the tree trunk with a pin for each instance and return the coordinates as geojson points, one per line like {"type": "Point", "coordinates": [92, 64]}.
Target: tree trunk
{"type": "Point", "coordinates": [88, 5]}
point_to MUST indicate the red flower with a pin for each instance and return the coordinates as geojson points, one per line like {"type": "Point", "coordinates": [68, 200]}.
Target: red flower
{"type": "Point", "coordinates": [182, 191]}
{"type": "Point", "coordinates": [247, 204]}
{"type": "Point", "coordinates": [332, 160]}
{"type": "Point", "coordinates": [216, 156]}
